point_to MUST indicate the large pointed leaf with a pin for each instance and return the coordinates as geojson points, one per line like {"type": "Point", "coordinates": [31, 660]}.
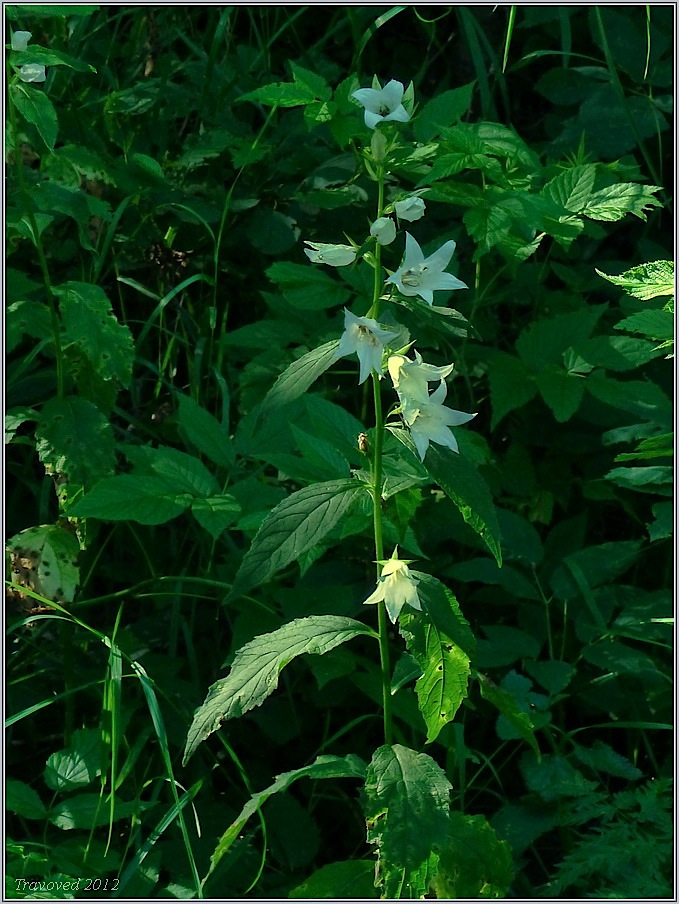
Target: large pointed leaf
{"type": "Point", "coordinates": [434, 639]}
{"type": "Point", "coordinates": [520, 721]}
{"type": "Point", "coordinates": [132, 497]}
{"type": "Point", "coordinates": [350, 766]}
{"type": "Point", "coordinates": [298, 377]}
{"type": "Point", "coordinates": [406, 805]}
{"type": "Point", "coordinates": [292, 528]}
{"type": "Point", "coordinates": [255, 670]}
{"type": "Point", "coordinates": [475, 862]}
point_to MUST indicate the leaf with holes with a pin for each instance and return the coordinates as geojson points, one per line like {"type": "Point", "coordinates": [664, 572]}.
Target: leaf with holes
{"type": "Point", "coordinates": [45, 559]}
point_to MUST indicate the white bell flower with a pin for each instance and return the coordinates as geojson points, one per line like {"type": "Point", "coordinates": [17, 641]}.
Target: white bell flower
{"type": "Point", "coordinates": [396, 587]}
{"type": "Point", "coordinates": [422, 276]}
{"type": "Point", "coordinates": [366, 337]}
{"type": "Point", "coordinates": [429, 421]}
{"type": "Point", "coordinates": [20, 40]}
{"type": "Point", "coordinates": [410, 209]}
{"type": "Point", "coordinates": [383, 104]}
{"type": "Point", "coordinates": [333, 255]}
{"type": "Point", "coordinates": [384, 230]}
{"type": "Point", "coordinates": [32, 72]}
{"type": "Point", "coordinates": [411, 378]}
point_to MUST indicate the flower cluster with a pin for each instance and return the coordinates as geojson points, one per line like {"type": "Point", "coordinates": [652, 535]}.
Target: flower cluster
{"type": "Point", "coordinates": [29, 72]}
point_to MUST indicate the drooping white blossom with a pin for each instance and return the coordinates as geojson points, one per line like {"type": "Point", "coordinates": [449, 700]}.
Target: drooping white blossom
{"type": "Point", "coordinates": [20, 40]}
{"type": "Point", "coordinates": [366, 337]}
{"type": "Point", "coordinates": [430, 420]}
{"type": "Point", "coordinates": [384, 230]}
{"type": "Point", "coordinates": [396, 586]}
{"type": "Point", "coordinates": [32, 72]}
{"type": "Point", "coordinates": [411, 378]}
{"type": "Point", "coordinates": [410, 209]}
{"type": "Point", "coordinates": [333, 255]}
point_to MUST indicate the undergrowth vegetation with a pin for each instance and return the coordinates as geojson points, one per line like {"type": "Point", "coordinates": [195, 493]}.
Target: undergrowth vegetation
{"type": "Point", "coordinates": [316, 307]}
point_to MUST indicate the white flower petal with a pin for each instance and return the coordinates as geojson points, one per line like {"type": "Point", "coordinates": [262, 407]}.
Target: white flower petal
{"type": "Point", "coordinates": [20, 40]}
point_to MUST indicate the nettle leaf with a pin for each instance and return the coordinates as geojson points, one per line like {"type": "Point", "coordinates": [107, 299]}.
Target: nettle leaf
{"type": "Point", "coordinates": [602, 758]}
{"type": "Point", "coordinates": [216, 513]}
{"type": "Point", "coordinates": [89, 323]}
{"type": "Point", "coordinates": [443, 110]}
{"type": "Point", "coordinates": [553, 777]}
{"type": "Point", "coordinates": [507, 706]}
{"type": "Point", "coordinates": [75, 439]}
{"type": "Point", "coordinates": [645, 281]}
{"type": "Point", "coordinates": [307, 286]}
{"type": "Point", "coordinates": [643, 399]}
{"type": "Point", "coordinates": [544, 341]}
{"type": "Point", "coordinates": [132, 497]}
{"type": "Point", "coordinates": [77, 765]}
{"type": "Point", "coordinates": [282, 94]}
{"type": "Point", "coordinates": [21, 799]}
{"type": "Point", "coordinates": [179, 470]}
{"type": "Point", "coordinates": [257, 665]}
{"type": "Point", "coordinates": [561, 391]}
{"type": "Point", "coordinates": [407, 803]}
{"type": "Point", "coordinates": [294, 526]}
{"type": "Point", "coordinates": [511, 385]}
{"type": "Point", "coordinates": [654, 324]}
{"type": "Point", "coordinates": [45, 559]}
{"type": "Point", "coordinates": [572, 189]}
{"type": "Point", "coordinates": [618, 353]}
{"type": "Point", "coordinates": [36, 108]}
{"type": "Point", "coordinates": [444, 664]}
{"type": "Point", "coordinates": [203, 430]}
{"type": "Point", "coordinates": [475, 863]}
{"type": "Point", "coordinates": [653, 479]}
{"type": "Point", "coordinates": [462, 483]}
{"type": "Point", "coordinates": [615, 201]}
{"type": "Point", "coordinates": [298, 377]}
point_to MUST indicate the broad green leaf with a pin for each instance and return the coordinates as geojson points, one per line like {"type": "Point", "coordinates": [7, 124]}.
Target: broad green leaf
{"type": "Point", "coordinates": [443, 110]}
{"type": "Point", "coordinates": [654, 324]}
{"type": "Point", "coordinates": [651, 479]}
{"type": "Point", "coordinates": [598, 564]}
{"type": "Point", "coordinates": [45, 559]}
{"type": "Point", "coordinates": [553, 777]}
{"type": "Point", "coordinates": [561, 391]}
{"type": "Point", "coordinates": [203, 430]}
{"type": "Point", "coordinates": [21, 799]}
{"type": "Point", "coordinates": [641, 398]}
{"type": "Point", "coordinates": [71, 202]}
{"type": "Point", "coordinates": [350, 766]}
{"type": "Point", "coordinates": [475, 863]}
{"type": "Point", "coordinates": [407, 802]}
{"type": "Point", "coordinates": [572, 189]}
{"type": "Point", "coordinates": [612, 203]}
{"type": "Point", "coordinates": [89, 322]}
{"type": "Point", "coordinates": [505, 645]}
{"type": "Point", "coordinates": [602, 758]}
{"type": "Point", "coordinates": [544, 341]}
{"type": "Point", "coordinates": [663, 526]}
{"type": "Point", "coordinates": [298, 377]}
{"type": "Point", "coordinates": [77, 765]}
{"type": "Point", "coordinates": [645, 281]}
{"type": "Point", "coordinates": [345, 879]}
{"type": "Point", "coordinates": [444, 665]}
{"type": "Point", "coordinates": [48, 57]}
{"type": "Point", "coordinates": [36, 108]}
{"type": "Point", "coordinates": [282, 94]}
{"type": "Point", "coordinates": [511, 385]}
{"type": "Point", "coordinates": [311, 81]}
{"type": "Point", "coordinates": [618, 353]}
{"type": "Point", "coordinates": [295, 525]}
{"type": "Point", "coordinates": [132, 497]}
{"type": "Point", "coordinates": [215, 513]}
{"type": "Point", "coordinates": [26, 318]}
{"type": "Point", "coordinates": [520, 721]}
{"type": "Point", "coordinates": [520, 540]}
{"type": "Point", "coordinates": [257, 665]}
{"type": "Point", "coordinates": [487, 571]}
{"type": "Point", "coordinates": [180, 471]}
{"type": "Point", "coordinates": [14, 418]}
{"type": "Point", "coordinates": [89, 810]}
{"type": "Point", "coordinates": [307, 286]}
{"type": "Point", "coordinates": [460, 480]}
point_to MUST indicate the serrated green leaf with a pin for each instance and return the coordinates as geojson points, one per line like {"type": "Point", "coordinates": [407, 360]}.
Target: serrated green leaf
{"type": "Point", "coordinates": [294, 526]}
{"type": "Point", "coordinates": [345, 879]}
{"type": "Point", "coordinates": [615, 201]}
{"type": "Point", "coordinates": [443, 110]}
{"type": "Point", "coordinates": [311, 81]}
{"type": "Point", "coordinates": [87, 811]}
{"type": "Point", "coordinates": [617, 353]}
{"type": "Point", "coordinates": [298, 377]}
{"type": "Point", "coordinates": [544, 341]}
{"type": "Point", "coordinates": [561, 391]}
{"type": "Point", "coordinates": [281, 94]}
{"type": "Point", "coordinates": [645, 281]}
{"type": "Point", "coordinates": [643, 399]}
{"type": "Point", "coordinates": [21, 799]}
{"type": "Point", "coordinates": [203, 430]}
{"type": "Point", "coordinates": [511, 385]}
{"type": "Point", "coordinates": [520, 721]}
{"type": "Point", "coordinates": [553, 777]}
{"type": "Point", "coordinates": [26, 318]}
{"type": "Point", "coordinates": [651, 479]}
{"type": "Point", "coordinates": [444, 665]}
{"type": "Point", "coordinates": [598, 564]}
{"type": "Point", "coordinates": [49, 554]}
{"type": "Point", "coordinates": [89, 323]}
{"type": "Point", "coordinates": [180, 471]}
{"type": "Point", "coordinates": [132, 497]}
{"type": "Point", "coordinates": [257, 665]}
{"type": "Point", "coordinates": [602, 758]}
{"type": "Point", "coordinates": [654, 324]}
{"type": "Point", "coordinates": [475, 863]}
{"type": "Point", "coordinates": [460, 481]}
{"type": "Point", "coordinates": [307, 286]}
{"type": "Point", "coordinates": [215, 513]}
{"type": "Point", "coordinates": [572, 189]}
{"type": "Point", "coordinates": [36, 107]}
{"type": "Point", "coordinates": [407, 802]}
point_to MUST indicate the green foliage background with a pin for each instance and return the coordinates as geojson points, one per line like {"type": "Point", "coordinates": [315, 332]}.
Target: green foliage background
{"type": "Point", "coordinates": [160, 185]}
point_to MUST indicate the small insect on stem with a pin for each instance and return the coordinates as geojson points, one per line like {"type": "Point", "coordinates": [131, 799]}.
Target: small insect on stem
{"type": "Point", "coordinates": [363, 443]}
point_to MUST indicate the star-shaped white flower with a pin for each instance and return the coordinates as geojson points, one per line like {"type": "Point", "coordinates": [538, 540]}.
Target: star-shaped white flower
{"type": "Point", "coordinates": [396, 587]}
{"type": "Point", "coordinates": [383, 105]}
{"type": "Point", "coordinates": [384, 230]}
{"type": "Point", "coordinates": [411, 378]}
{"type": "Point", "coordinates": [366, 337]}
{"type": "Point", "coordinates": [333, 255]}
{"type": "Point", "coordinates": [410, 209]}
{"type": "Point", "coordinates": [429, 421]}
{"type": "Point", "coordinates": [422, 276]}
